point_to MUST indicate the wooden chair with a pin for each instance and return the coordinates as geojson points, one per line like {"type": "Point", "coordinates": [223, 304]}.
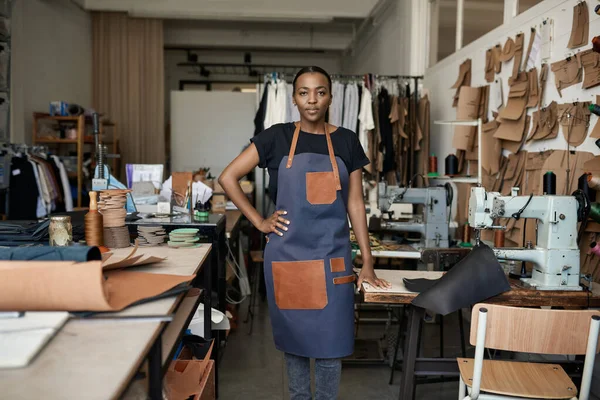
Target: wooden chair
{"type": "Point", "coordinates": [529, 331]}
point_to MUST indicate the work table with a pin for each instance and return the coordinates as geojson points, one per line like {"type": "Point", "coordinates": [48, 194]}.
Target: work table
{"type": "Point", "coordinates": [97, 357]}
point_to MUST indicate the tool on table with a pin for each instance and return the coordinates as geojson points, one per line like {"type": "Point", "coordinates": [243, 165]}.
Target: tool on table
{"type": "Point", "coordinates": [555, 258]}
{"type": "Point", "coordinates": [432, 225]}
{"type": "Point", "coordinates": [94, 228]}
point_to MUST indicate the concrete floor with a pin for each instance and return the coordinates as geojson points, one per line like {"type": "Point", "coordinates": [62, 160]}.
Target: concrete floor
{"type": "Point", "coordinates": [252, 368]}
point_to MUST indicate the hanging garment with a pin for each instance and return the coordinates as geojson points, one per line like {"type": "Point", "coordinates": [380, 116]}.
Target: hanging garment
{"type": "Point", "coordinates": [336, 110]}
{"type": "Point", "coordinates": [40, 210]}
{"type": "Point", "coordinates": [271, 106]}
{"type": "Point", "coordinates": [387, 136]}
{"type": "Point", "coordinates": [23, 194]}
{"type": "Point", "coordinates": [308, 270]}
{"type": "Point", "coordinates": [351, 106]}
{"type": "Point", "coordinates": [292, 111]}
{"type": "Point", "coordinates": [64, 178]}
{"type": "Point", "coordinates": [367, 123]}
{"type": "Point", "coordinates": [259, 118]}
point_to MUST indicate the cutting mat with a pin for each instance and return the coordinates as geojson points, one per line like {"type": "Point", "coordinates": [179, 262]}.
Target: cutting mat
{"type": "Point", "coordinates": [395, 277]}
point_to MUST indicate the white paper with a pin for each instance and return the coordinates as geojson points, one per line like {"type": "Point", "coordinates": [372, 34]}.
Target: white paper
{"type": "Point", "coordinates": [145, 173]}
{"type": "Point", "coordinates": [199, 190]}
{"type": "Point", "coordinates": [219, 321]}
{"type": "Point", "coordinates": [547, 34]}
{"type": "Point", "coordinates": [496, 100]}
{"type": "Point", "coordinates": [534, 55]}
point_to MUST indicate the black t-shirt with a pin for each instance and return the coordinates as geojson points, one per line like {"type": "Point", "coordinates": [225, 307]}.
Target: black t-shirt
{"type": "Point", "coordinates": [274, 143]}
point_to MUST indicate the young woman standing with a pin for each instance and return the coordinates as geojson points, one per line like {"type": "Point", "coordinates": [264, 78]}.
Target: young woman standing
{"type": "Point", "coordinates": [316, 183]}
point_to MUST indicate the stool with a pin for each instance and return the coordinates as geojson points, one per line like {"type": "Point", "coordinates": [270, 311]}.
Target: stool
{"type": "Point", "coordinates": [257, 260]}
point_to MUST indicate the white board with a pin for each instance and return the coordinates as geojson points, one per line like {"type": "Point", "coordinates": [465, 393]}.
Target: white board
{"type": "Point", "coordinates": [209, 129]}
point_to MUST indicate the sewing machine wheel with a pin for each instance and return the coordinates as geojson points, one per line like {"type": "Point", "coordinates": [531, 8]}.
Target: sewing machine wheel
{"type": "Point", "coordinates": [584, 205]}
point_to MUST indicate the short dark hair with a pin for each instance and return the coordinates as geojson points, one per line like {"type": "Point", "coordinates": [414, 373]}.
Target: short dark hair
{"type": "Point", "coordinates": [311, 69]}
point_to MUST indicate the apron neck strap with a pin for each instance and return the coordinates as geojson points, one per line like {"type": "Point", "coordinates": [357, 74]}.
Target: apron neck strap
{"type": "Point", "coordinates": [334, 165]}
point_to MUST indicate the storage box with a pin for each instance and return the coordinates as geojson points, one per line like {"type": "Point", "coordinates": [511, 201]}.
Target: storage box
{"type": "Point", "coordinates": [219, 203]}
{"type": "Point", "coordinates": [217, 188]}
{"type": "Point", "coordinates": [247, 187]}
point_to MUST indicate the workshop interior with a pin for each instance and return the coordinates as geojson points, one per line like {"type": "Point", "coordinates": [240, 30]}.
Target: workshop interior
{"type": "Point", "coordinates": [135, 257]}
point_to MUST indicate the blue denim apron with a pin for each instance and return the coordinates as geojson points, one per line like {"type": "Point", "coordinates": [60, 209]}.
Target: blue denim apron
{"type": "Point", "coordinates": [308, 271]}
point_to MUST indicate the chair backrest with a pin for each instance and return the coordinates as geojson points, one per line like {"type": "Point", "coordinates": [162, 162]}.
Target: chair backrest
{"type": "Point", "coordinates": [531, 330]}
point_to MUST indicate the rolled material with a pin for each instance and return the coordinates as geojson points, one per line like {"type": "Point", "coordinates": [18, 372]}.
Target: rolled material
{"type": "Point", "coordinates": [451, 165]}
{"type": "Point", "coordinates": [467, 234]}
{"type": "Point", "coordinates": [549, 183]}
{"type": "Point", "coordinates": [433, 165]}
{"type": "Point", "coordinates": [72, 253]}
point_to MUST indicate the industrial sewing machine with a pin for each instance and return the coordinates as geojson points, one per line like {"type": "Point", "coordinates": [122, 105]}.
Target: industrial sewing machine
{"type": "Point", "coordinates": [432, 225]}
{"type": "Point", "coordinates": [556, 255]}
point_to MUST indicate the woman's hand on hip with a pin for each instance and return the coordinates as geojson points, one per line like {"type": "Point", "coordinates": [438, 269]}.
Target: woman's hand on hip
{"type": "Point", "coordinates": [275, 223]}
{"type": "Point", "coordinates": [368, 275]}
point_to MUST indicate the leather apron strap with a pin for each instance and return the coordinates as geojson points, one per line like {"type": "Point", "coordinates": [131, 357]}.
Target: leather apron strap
{"type": "Point", "coordinates": [334, 165]}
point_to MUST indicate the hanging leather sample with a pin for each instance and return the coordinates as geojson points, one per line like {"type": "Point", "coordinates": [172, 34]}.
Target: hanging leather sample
{"type": "Point", "coordinates": [464, 79]}
{"type": "Point", "coordinates": [517, 100]}
{"type": "Point", "coordinates": [596, 131]}
{"type": "Point", "coordinates": [534, 93]}
{"type": "Point", "coordinates": [424, 123]}
{"type": "Point", "coordinates": [542, 85]}
{"type": "Point", "coordinates": [529, 47]}
{"type": "Point", "coordinates": [590, 61]}
{"type": "Point", "coordinates": [508, 51]}
{"type": "Point", "coordinates": [468, 109]}
{"type": "Point", "coordinates": [496, 58]}
{"type": "Point", "coordinates": [519, 43]}
{"type": "Point", "coordinates": [491, 148]}
{"type": "Point", "coordinates": [515, 147]}
{"type": "Point", "coordinates": [580, 26]}
{"type": "Point", "coordinates": [566, 73]}
{"type": "Point", "coordinates": [575, 120]}
{"type": "Point", "coordinates": [545, 123]}
{"type": "Point", "coordinates": [489, 65]}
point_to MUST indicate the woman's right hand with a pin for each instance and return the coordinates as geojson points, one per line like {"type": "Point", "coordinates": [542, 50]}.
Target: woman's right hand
{"type": "Point", "coordinates": [274, 224]}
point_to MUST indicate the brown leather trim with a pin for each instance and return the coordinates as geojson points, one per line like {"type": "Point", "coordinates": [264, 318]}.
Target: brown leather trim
{"type": "Point", "coordinates": [344, 279]}
{"type": "Point", "coordinates": [300, 285]}
{"type": "Point", "coordinates": [293, 147]}
{"type": "Point", "coordinates": [337, 264]}
{"type": "Point", "coordinates": [336, 171]}
{"type": "Point", "coordinates": [320, 188]}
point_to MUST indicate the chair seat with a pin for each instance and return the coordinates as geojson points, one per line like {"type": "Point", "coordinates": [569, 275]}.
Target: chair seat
{"type": "Point", "coordinates": [520, 379]}
{"type": "Point", "coordinates": [257, 256]}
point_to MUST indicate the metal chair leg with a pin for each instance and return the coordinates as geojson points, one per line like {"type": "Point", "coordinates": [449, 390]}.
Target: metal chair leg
{"type": "Point", "coordinates": [461, 327]}
{"type": "Point", "coordinates": [398, 338]}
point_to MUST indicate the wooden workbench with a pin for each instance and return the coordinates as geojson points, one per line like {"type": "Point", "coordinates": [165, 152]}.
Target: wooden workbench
{"type": "Point", "coordinates": [411, 365]}
{"type": "Point", "coordinates": [96, 358]}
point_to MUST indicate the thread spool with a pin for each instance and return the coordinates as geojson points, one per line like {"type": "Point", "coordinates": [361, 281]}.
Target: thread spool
{"type": "Point", "coordinates": [433, 165]}
{"type": "Point", "coordinates": [467, 234]}
{"type": "Point", "coordinates": [94, 226]}
{"type": "Point", "coordinates": [593, 182]}
{"type": "Point", "coordinates": [499, 238]}
{"type": "Point", "coordinates": [549, 183]}
{"type": "Point", "coordinates": [585, 187]}
{"type": "Point", "coordinates": [451, 165]}
{"type": "Point", "coordinates": [595, 212]}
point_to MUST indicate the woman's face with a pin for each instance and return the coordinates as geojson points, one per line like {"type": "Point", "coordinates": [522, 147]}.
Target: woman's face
{"type": "Point", "coordinates": [312, 96]}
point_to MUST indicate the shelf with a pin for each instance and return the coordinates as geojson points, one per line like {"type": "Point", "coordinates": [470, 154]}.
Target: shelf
{"type": "Point", "coordinates": [87, 140]}
{"type": "Point", "coordinates": [464, 123]}
{"type": "Point", "coordinates": [458, 179]}
{"type": "Point", "coordinates": [172, 334]}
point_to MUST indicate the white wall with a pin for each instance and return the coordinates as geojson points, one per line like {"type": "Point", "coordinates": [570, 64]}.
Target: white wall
{"type": "Point", "coordinates": [395, 43]}
{"type": "Point", "coordinates": [51, 60]}
{"type": "Point", "coordinates": [205, 133]}
{"type": "Point", "coordinates": [440, 77]}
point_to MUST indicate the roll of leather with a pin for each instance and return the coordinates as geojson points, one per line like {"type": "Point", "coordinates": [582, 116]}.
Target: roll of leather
{"type": "Point", "coordinates": [46, 253]}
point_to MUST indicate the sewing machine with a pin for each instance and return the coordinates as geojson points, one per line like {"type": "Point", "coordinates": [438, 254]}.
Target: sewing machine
{"type": "Point", "coordinates": [556, 256]}
{"type": "Point", "coordinates": [433, 225]}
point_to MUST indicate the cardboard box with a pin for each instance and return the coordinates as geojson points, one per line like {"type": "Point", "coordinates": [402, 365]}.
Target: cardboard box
{"type": "Point", "coordinates": [247, 187]}
{"type": "Point", "coordinates": [219, 203]}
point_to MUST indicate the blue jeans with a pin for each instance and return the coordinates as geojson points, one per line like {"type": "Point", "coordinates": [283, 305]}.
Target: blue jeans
{"type": "Point", "coordinates": [328, 372]}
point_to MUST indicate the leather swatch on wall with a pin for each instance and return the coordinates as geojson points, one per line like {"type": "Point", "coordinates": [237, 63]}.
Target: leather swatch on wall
{"type": "Point", "coordinates": [517, 100]}
{"type": "Point", "coordinates": [566, 73]}
{"type": "Point", "coordinates": [496, 57]}
{"type": "Point", "coordinates": [575, 120]}
{"type": "Point", "coordinates": [596, 131]}
{"type": "Point", "coordinates": [519, 43]}
{"type": "Point", "coordinates": [511, 130]}
{"type": "Point", "coordinates": [508, 51]}
{"type": "Point", "coordinates": [580, 26]}
{"type": "Point", "coordinates": [545, 123]}
{"type": "Point", "coordinates": [464, 79]}
{"type": "Point", "coordinates": [590, 61]}
{"type": "Point", "coordinates": [468, 109]}
{"type": "Point", "coordinates": [491, 148]}
{"type": "Point", "coordinates": [542, 85]}
{"type": "Point", "coordinates": [513, 146]}
{"type": "Point", "coordinates": [489, 65]}
{"type": "Point", "coordinates": [534, 93]}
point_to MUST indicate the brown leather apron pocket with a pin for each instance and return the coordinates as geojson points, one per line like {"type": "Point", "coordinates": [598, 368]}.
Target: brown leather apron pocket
{"type": "Point", "coordinates": [300, 285]}
{"type": "Point", "coordinates": [320, 187]}
{"type": "Point", "coordinates": [344, 279]}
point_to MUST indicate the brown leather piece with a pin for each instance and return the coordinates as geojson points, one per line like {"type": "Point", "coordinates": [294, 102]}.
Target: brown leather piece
{"type": "Point", "coordinates": [344, 279]}
{"type": "Point", "coordinates": [489, 65]}
{"type": "Point", "coordinates": [293, 146]}
{"type": "Point", "coordinates": [514, 147]}
{"type": "Point", "coordinates": [519, 43]}
{"type": "Point", "coordinates": [596, 131]}
{"type": "Point", "coordinates": [580, 26]}
{"type": "Point", "coordinates": [545, 123]}
{"type": "Point", "coordinates": [529, 47]}
{"type": "Point", "coordinates": [497, 54]}
{"type": "Point", "coordinates": [534, 93]}
{"type": "Point", "coordinates": [542, 85]}
{"type": "Point", "coordinates": [590, 60]}
{"type": "Point", "coordinates": [337, 264]}
{"type": "Point", "coordinates": [320, 187]}
{"type": "Point", "coordinates": [300, 285]}
{"type": "Point", "coordinates": [464, 79]}
{"type": "Point", "coordinates": [566, 73]}
{"type": "Point", "coordinates": [508, 51]}
{"type": "Point", "coordinates": [575, 120]}
{"type": "Point", "coordinates": [517, 100]}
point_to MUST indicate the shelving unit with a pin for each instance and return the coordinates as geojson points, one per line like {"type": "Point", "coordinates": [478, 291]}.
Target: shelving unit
{"type": "Point", "coordinates": [81, 140]}
{"type": "Point", "coordinates": [5, 55]}
{"type": "Point", "coordinates": [464, 179]}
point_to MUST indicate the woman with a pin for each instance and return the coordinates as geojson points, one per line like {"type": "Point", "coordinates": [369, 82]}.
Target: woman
{"type": "Point", "coordinates": [315, 172]}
